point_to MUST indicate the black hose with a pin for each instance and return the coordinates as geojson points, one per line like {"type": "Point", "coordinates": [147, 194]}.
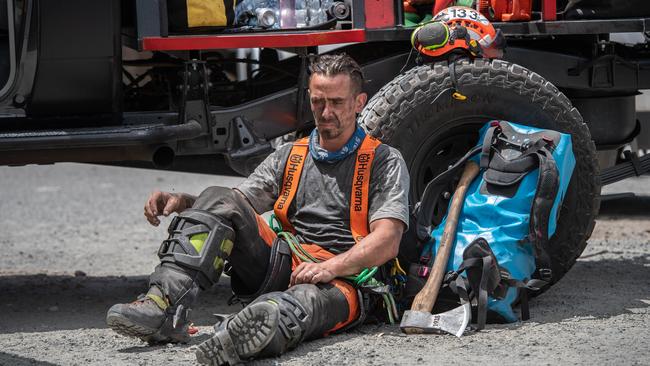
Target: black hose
{"type": "Point", "coordinates": [625, 170]}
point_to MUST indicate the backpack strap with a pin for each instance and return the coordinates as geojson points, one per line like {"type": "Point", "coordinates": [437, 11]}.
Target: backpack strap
{"type": "Point", "coordinates": [483, 276]}
{"type": "Point", "coordinates": [425, 208]}
{"type": "Point", "coordinates": [290, 181]}
{"type": "Point", "coordinates": [547, 188]}
{"type": "Point", "coordinates": [536, 152]}
{"type": "Point", "coordinates": [488, 141]}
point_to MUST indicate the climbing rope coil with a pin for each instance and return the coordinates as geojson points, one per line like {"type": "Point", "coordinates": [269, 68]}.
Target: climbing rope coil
{"type": "Point", "coordinates": [365, 279]}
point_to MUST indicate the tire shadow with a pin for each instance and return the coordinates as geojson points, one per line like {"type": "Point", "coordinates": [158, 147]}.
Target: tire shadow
{"type": "Point", "coordinates": [634, 206]}
{"type": "Point", "coordinates": [36, 303]}
{"type": "Point", "coordinates": [14, 360]}
{"type": "Point", "coordinates": [596, 288]}
{"type": "Point", "coordinates": [592, 288]}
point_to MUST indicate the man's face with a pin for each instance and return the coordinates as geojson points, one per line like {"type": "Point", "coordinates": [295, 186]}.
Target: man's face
{"type": "Point", "coordinates": [334, 104]}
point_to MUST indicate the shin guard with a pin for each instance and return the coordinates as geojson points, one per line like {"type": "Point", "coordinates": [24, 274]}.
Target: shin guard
{"type": "Point", "coordinates": [277, 277]}
{"type": "Point", "coordinates": [198, 241]}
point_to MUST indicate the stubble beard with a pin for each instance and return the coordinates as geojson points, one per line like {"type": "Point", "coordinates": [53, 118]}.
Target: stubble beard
{"type": "Point", "coordinates": [330, 133]}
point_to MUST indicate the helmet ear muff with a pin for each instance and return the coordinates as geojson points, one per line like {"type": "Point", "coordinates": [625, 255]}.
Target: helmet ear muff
{"type": "Point", "coordinates": [430, 36]}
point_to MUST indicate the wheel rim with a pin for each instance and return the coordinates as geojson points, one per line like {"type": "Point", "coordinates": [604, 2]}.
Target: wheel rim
{"type": "Point", "coordinates": [437, 153]}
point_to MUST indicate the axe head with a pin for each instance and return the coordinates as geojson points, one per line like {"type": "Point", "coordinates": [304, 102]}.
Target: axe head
{"type": "Point", "coordinates": [453, 321]}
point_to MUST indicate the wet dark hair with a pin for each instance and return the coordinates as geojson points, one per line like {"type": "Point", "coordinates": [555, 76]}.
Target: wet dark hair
{"type": "Point", "coordinates": [338, 64]}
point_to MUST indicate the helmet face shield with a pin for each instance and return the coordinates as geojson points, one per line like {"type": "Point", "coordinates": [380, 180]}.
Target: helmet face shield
{"type": "Point", "coordinates": [466, 30]}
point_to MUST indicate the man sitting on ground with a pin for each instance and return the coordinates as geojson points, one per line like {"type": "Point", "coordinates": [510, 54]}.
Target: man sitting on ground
{"type": "Point", "coordinates": [342, 193]}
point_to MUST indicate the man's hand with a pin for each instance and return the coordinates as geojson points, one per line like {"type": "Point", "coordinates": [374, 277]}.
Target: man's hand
{"type": "Point", "coordinates": [311, 273]}
{"type": "Point", "coordinates": [380, 246]}
{"type": "Point", "coordinates": [165, 203]}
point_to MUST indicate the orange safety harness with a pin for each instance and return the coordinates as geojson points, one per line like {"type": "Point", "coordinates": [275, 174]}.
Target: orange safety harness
{"type": "Point", "coordinates": [358, 210]}
{"type": "Point", "coordinates": [360, 185]}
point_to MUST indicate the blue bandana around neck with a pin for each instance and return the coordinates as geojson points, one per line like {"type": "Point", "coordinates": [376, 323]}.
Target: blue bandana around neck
{"type": "Point", "coordinates": [322, 155]}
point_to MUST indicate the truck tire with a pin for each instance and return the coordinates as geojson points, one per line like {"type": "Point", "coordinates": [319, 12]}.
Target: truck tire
{"type": "Point", "coordinates": [417, 114]}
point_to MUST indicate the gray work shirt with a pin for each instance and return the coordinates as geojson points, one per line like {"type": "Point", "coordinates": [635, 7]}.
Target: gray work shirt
{"type": "Point", "coordinates": [320, 211]}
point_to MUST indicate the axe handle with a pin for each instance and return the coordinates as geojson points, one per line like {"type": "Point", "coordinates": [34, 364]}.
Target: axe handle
{"type": "Point", "coordinates": [426, 298]}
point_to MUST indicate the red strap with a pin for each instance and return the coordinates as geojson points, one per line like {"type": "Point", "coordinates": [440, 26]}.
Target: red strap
{"type": "Point", "coordinates": [361, 188]}
{"type": "Point", "coordinates": [292, 172]}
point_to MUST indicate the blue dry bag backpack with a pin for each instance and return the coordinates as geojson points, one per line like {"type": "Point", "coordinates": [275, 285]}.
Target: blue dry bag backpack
{"type": "Point", "coordinates": [510, 210]}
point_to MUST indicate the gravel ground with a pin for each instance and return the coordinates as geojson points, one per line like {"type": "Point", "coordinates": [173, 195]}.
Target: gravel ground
{"type": "Point", "coordinates": [74, 242]}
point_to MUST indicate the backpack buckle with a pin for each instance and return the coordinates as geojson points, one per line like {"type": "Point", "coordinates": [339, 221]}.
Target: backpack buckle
{"type": "Point", "coordinates": [548, 140]}
{"type": "Point", "coordinates": [423, 271]}
{"type": "Point", "coordinates": [546, 274]}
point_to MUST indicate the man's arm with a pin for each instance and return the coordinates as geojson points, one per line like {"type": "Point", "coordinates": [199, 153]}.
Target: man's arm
{"type": "Point", "coordinates": [380, 246]}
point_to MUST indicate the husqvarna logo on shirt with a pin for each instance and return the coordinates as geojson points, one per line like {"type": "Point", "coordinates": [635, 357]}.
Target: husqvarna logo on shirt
{"type": "Point", "coordinates": [294, 161]}
{"type": "Point", "coordinates": [362, 171]}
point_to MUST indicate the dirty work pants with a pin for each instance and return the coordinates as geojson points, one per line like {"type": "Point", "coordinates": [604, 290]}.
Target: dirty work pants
{"type": "Point", "coordinates": [328, 306]}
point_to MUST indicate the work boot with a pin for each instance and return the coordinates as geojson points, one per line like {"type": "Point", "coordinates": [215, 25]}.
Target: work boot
{"type": "Point", "coordinates": [151, 319]}
{"type": "Point", "coordinates": [242, 337]}
{"type": "Point", "coordinates": [270, 326]}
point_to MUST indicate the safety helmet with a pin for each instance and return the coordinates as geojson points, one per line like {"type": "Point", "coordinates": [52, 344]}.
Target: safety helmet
{"type": "Point", "coordinates": [458, 29]}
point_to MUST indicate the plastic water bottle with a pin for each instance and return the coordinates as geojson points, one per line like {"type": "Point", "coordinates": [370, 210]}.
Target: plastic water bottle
{"type": "Point", "coordinates": [258, 13]}
{"type": "Point", "coordinates": [300, 14]}
{"type": "Point", "coordinates": [315, 11]}
{"type": "Point", "coordinates": [287, 11]}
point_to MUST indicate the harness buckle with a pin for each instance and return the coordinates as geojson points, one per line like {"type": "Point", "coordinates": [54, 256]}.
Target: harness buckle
{"type": "Point", "coordinates": [450, 276]}
{"type": "Point", "coordinates": [425, 259]}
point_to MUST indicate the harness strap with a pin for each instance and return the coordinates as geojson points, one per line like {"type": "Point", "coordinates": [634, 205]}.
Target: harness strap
{"type": "Point", "coordinates": [360, 185]}
{"type": "Point", "coordinates": [359, 226]}
{"type": "Point", "coordinates": [292, 173]}
{"type": "Point", "coordinates": [361, 188]}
